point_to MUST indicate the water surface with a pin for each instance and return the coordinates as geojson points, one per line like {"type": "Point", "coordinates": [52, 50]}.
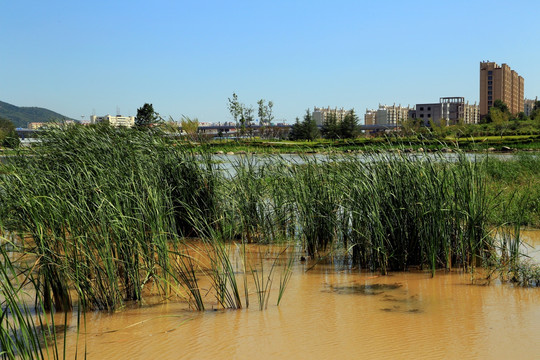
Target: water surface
{"type": "Point", "coordinates": [331, 312]}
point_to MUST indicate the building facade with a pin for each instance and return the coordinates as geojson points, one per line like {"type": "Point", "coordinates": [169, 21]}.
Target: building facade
{"type": "Point", "coordinates": [320, 114]}
{"type": "Point", "coordinates": [370, 117]}
{"type": "Point", "coordinates": [115, 121]}
{"type": "Point", "coordinates": [471, 114]}
{"type": "Point", "coordinates": [387, 115]}
{"type": "Point", "coordinates": [500, 83]}
{"type": "Point", "coordinates": [528, 106]}
{"type": "Point", "coordinates": [451, 110]}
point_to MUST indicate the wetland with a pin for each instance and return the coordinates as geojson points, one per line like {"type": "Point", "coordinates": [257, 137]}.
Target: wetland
{"type": "Point", "coordinates": [129, 244]}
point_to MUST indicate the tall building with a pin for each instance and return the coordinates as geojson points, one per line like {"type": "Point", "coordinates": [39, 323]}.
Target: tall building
{"type": "Point", "coordinates": [500, 83]}
{"type": "Point", "coordinates": [320, 114]}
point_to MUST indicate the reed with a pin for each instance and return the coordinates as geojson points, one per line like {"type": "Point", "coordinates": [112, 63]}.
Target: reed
{"type": "Point", "coordinates": [26, 332]}
{"type": "Point", "coordinates": [285, 276]}
{"type": "Point", "coordinates": [109, 213]}
{"type": "Point", "coordinates": [102, 207]}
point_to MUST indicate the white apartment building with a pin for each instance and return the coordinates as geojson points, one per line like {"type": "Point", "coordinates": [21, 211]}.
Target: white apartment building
{"type": "Point", "coordinates": [528, 106]}
{"type": "Point", "coordinates": [387, 115]}
{"type": "Point", "coordinates": [116, 121]}
{"type": "Point", "coordinates": [320, 114]}
{"type": "Point", "coordinates": [471, 114]}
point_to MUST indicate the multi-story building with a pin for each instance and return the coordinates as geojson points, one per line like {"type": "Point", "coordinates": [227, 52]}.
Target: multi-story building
{"type": "Point", "coordinates": [320, 114]}
{"type": "Point", "coordinates": [450, 109]}
{"type": "Point", "coordinates": [36, 125]}
{"type": "Point", "coordinates": [471, 113]}
{"type": "Point", "coordinates": [387, 115]}
{"type": "Point", "coordinates": [500, 83]}
{"type": "Point", "coordinates": [370, 117]}
{"type": "Point", "coordinates": [116, 121]}
{"type": "Point", "coordinates": [49, 124]}
{"type": "Point", "coordinates": [528, 106]}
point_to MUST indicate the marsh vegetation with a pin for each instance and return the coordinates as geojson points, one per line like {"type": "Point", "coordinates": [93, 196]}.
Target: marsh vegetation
{"type": "Point", "coordinates": [104, 218]}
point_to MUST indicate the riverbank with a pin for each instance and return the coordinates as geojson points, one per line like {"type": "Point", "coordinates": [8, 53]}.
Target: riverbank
{"type": "Point", "coordinates": [529, 143]}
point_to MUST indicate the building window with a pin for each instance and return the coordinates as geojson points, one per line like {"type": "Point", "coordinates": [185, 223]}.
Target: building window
{"type": "Point", "coordinates": [490, 88]}
{"type": "Point", "coordinates": [490, 92]}
{"type": "Point", "coordinates": [421, 115]}
{"type": "Point", "coordinates": [429, 108]}
{"type": "Point", "coordinates": [429, 115]}
{"type": "Point", "coordinates": [490, 82]}
{"type": "Point", "coordinates": [490, 98]}
{"type": "Point", "coordinates": [490, 103]}
{"type": "Point", "coordinates": [421, 108]}
{"type": "Point", "coordinates": [490, 77]}
{"type": "Point", "coordinates": [490, 72]}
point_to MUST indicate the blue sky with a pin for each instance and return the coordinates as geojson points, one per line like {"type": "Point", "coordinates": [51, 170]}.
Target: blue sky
{"type": "Point", "coordinates": [188, 57]}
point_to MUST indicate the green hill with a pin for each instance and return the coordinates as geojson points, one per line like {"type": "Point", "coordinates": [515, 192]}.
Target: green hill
{"type": "Point", "coordinates": [21, 116]}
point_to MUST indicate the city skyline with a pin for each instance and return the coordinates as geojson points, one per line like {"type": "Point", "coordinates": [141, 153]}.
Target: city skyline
{"type": "Point", "coordinates": [187, 59]}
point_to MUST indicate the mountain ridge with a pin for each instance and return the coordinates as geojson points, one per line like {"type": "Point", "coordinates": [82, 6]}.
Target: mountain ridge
{"type": "Point", "coordinates": [20, 116]}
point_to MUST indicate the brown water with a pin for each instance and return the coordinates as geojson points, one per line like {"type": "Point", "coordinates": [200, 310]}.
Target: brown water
{"type": "Point", "coordinates": [532, 244]}
{"type": "Point", "coordinates": [331, 312]}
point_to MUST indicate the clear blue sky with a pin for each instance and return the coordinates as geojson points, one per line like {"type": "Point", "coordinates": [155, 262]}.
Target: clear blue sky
{"type": "Point", "coordinates": [188, 57]}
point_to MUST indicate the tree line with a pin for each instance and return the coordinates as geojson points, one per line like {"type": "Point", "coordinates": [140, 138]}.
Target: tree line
{"type": "Point", "coordinates": [332, 127]}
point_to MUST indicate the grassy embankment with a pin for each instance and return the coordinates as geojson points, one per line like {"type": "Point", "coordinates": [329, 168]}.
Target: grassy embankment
{"type": "Point", "coordinates": [479, 143]}
{"type": "Point", "coordinates": [106, 217]}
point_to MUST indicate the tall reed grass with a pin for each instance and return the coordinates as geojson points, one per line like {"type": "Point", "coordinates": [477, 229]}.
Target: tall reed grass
{"type": "Point", "coordinates": [107, 213]}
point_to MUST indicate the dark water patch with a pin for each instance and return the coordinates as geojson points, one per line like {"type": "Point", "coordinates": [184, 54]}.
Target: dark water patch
{"type": "Point", "coordinates": [371, 289]}
{"type": "Point", "coordinates": [398, 309]}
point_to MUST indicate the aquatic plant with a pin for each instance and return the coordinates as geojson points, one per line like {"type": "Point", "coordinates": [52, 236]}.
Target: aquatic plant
{"type": "Point", "coordinates": [102, 206]}
{"type": "Point", "coordinates": [26, 331]}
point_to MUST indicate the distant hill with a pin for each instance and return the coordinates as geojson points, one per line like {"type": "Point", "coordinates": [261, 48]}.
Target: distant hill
{"type": "Point", "coordinates": [21, 116]}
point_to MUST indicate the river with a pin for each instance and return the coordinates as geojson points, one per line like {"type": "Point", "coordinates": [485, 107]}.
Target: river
{"type": "Point", "coordinates": [331, 311]}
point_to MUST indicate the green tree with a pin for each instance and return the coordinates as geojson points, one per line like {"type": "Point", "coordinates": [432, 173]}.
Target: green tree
{"type": "Point", "coordinates": [411, 126]}
{"type": "Point", "coordinates": [235, 108]}
{"type": "Point", "coordinates": [8, 135]}
{"type": "Point", "coordinates": [330, 128]}
{"type": "Point", "coordinates": [348, 128]}
{"type": "Point", "coordinates": [439, 129]}
{"type": "Point", "coordinates": [297, 131]}
{"type": "Point", "coordinates": [536, 110]}
{"type": "Point", "coordinates": [499, 104]}
{"type": "Point", "coordinates": [265, 112]}
{"type": "Point", "coordinates": [310, 129]}
{"type": "Point", "coordinates": [242, 115]}
{"type": "Point", "coordinates": [265, 116]}
{"type": "Point", "coordinates": [499, 118]}
{"type": "Point", "coordinates": [146, 116]}
{"type": "Point", "coordinates": [500, 109]}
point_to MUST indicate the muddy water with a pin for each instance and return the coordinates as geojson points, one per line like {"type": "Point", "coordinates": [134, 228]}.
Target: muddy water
{"type": "Point", "coordinates": [531, 247]}
{"type": "Point", "coordinates": [332, 312]}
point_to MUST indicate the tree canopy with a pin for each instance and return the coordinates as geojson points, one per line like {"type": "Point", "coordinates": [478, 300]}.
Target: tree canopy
{"type": "Point", "coordinates": [305, 130]}
{"type": "Point", "coordinates": [146, 116]}
{"type": "Point", "coordinates": [8, 135]}
{"type": "Point", "coordinates": [348, 128]}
